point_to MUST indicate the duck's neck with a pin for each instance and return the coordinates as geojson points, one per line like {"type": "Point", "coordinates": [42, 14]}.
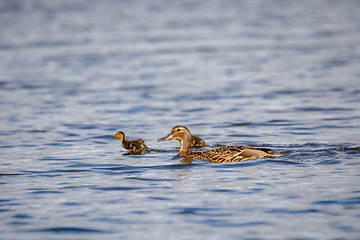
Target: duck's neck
{"type": "Point", "coordinates": [124, 143]}
{"type": "Point", "coordinates": [185, 144]}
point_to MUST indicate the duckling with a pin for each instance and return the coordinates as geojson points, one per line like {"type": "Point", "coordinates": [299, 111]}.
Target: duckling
{"type": "Point", "coordinates": [197, 142]}
{"type": "Point", "coordinates": [135, 145]}
{"type": "Point", "coordinates": [235, 153]}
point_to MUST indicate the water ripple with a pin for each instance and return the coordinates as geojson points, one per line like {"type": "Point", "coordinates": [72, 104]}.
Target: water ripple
{"type": "Point", "coordinates": [197, 211]}
{"type": "Point", "coordinates": [22, 216]}
{"type": "Point", "coordinates": [318, 109]}
{"type": "Point", "coordinates": [67, 230]}
{"type": "Point", "coordinates": [117, 188]}
{"type": "Point", "coordinates": [152, 179]}
{"type": "Point", "coordinates": [225, 223]}
{"type": "Point", "coordinates": [288, 211]}
{"type": "Point", "coordinates": [264, 73]}
{"type": "Point", "coordinates": [344, 202]}
{"type": "Point", "coordinates": [45, 192]}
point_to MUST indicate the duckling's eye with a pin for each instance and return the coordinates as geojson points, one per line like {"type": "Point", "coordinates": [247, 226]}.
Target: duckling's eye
{"type": "Point", "coordinates": [178, 130]}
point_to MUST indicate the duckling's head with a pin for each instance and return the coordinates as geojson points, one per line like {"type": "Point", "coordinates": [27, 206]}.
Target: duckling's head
{"type": "Point", "coordinates": [120, 135]}
{"type": "Point", "coordinates": [179, 133]}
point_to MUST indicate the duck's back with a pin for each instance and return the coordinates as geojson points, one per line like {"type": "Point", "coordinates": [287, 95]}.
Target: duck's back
{"type": "Point", "coordinates": [235, 153]}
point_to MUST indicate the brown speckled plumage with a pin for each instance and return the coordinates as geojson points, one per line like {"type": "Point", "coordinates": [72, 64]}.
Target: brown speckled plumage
{"type": "Point", "coordinates": [135, 145]}
{"type": "Point", "coordinates": [222, 154]}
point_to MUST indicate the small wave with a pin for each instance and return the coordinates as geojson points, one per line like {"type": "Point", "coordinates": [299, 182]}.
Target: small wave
{"type": "Point", "coordinates": [288, 211]}
{"type": "Point", "coordinates": [79, 187]}
{"type": "Point", "coordinates": [192, 210]}
{"type": "Point", "coordinates": [243, 135]}
{"type": "Point", "coordinates": [10, 174]}
{"type": "Point", "coordinates": [7, 146]}
{"type": "Point", "coordinates": [60, 159]}
{"type": "Point", "coordinates": [223, 190]}
{"type": "Point", "coordinates": [72, 204]}
{"type": "Point", "coordinates": [37, 131]}
{"type": "Point", "coordinates": [178, 166]}
{"type": "Point", "coordinates": [45, 192]}
{"type": "Point", "coordinates": [21, 215]}
{"type": "Point", "coordinates": [28, 145]}
{"type": "Point", "coordinates": [152, 179]}
{"type": "Point", "coordinates": [69, 170]}
{"type": "Point", "coordinates": [117, 188]}
{"type": "Point", "coordinates": [217, 223]}
{"type": "Point", "coordinates": [103, 137]}
{"type": "Point", "coordinates": [82, 126]}
{"type": "Point", "coordinates": [318, 109]}
{"type": "Point", "coordinates": [67, 230]}
{"type": "Point", "coordinates": [347, 201]}
{"type": "Point", "coordinates": [59, 144]}
{"type": "Point", "coordinates": [89, 165]}
{"type": "Point", "coordinates": [117, 168]}
{"type": "Point", "coordinates": [329, 162]}
{"type": "Point", "coordinates": [109, 173]}
{"type": "Point", "coordinates": [161, 198]}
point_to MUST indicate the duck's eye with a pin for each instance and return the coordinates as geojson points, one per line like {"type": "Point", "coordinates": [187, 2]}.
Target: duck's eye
{"type": "Point", "coordinates": [178, 130]}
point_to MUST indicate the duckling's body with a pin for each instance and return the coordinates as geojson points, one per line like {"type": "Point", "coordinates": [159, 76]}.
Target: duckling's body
{"type": "Point", "coordinates": [197, 142]}
{"type": "Point", "coordinates": [135, 145]}
{"type": "Point", "coordinates": [222, 154]}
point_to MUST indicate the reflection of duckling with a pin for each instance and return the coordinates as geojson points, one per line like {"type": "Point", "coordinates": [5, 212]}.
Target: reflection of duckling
{"type": "Point", "coordinates": [135, 145]}
{"type": "Point", "coordinates": [222, 154]}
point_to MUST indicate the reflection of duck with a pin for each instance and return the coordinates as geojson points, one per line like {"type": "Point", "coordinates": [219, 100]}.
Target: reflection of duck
{"type": "Point", "coordinates": [135, 145]}
{"type": "Point", "coordinates": [222, 154]}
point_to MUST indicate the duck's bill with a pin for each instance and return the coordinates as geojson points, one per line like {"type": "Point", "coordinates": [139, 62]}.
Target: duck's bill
{"type": "Point", "coordinates": [114, 137]}
{"type": "Point", "coordinates": [166, 138]}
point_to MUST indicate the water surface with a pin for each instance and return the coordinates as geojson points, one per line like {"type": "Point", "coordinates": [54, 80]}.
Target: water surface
{"type": "Point", "coordinates": [277, 74]}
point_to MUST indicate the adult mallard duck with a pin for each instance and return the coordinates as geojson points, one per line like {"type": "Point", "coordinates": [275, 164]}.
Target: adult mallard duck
{"type": "Point", "coordinates": [135, 145]}
{"type": "Point", "coordinates": [222, 154]}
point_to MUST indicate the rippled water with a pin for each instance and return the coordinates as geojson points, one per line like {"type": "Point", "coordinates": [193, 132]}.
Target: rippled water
{"type": "Point", "coordinates": [277, 74]}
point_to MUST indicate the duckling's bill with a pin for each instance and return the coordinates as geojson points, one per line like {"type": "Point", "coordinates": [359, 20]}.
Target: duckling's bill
{"type": "Point", "coordinates": [166, 138]}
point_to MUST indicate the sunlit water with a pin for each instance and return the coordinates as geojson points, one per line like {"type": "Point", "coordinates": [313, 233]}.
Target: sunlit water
{"type": "Point", "coordinates": [277, 74]}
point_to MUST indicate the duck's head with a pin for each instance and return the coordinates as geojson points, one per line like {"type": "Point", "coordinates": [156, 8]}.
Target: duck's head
{"type": "Point", "coordinates": [120, 135]}
{"type": "Point", "coordinates": [179, 133]}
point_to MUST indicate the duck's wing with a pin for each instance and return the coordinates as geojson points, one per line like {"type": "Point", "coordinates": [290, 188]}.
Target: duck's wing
{"type": "Point", "coordinates": [221, 154]}
{"type": "Point", "coordinates": [230, 154]}
{"type": "Point", "coordinates": [247, 151]}
{"type": "Point", "coordinates": [236, 153]}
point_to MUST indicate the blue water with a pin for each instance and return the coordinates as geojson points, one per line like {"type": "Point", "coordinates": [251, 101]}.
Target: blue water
{"type": "Point", "coordinates": [277, 74]}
